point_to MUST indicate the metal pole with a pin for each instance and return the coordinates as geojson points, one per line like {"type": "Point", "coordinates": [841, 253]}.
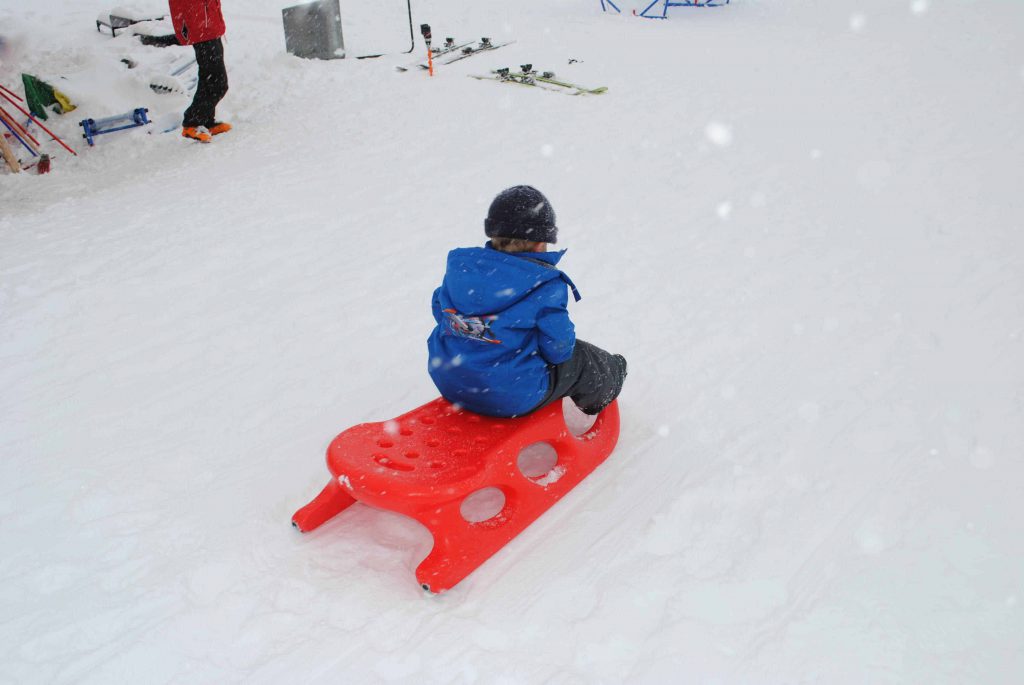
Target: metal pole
{"type": "Point", "coordinates": [37, 123]}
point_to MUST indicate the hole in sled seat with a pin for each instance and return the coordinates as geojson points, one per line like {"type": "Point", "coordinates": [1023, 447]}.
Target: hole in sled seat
{"type": "Point", "coordinates": [576, 421]}
{"type": "Point", "coordinates": [537, 461]}
{"type": "Point", "coordinates": [390, 463]}
{"type": "Point", "coordinates": [482, 505]}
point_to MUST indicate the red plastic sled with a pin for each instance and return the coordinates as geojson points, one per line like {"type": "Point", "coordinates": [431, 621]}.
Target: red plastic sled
{"type": "Point", "coordinates": [425, 463]}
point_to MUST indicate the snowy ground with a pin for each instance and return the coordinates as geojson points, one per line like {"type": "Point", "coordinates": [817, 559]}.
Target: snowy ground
{"type": "Point", "coordinates": [801, 223]}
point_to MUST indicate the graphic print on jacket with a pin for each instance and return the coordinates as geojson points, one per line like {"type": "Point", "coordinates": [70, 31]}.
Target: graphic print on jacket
{"type": "Point", "coordinates": [502, 323]}
{"type": "Point", "coordinates": [475, 327]}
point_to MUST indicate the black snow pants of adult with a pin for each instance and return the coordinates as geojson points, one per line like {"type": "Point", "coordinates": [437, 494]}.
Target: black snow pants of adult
{"type": "Point", "coordinates": [213, 84]}
{"type": "Point", "coordinates": [591, 377]}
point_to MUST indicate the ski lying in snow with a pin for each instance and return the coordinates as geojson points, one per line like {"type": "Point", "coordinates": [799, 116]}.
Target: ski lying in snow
{"type": "Point", "coordinates": [449, 47]}
{"type": "Point", "coordinates": [484, 45]}
{"type": "Point", "coordinates": [549, 77]}
{"type": "Point", "coordinates": [173, 83]}
{"type": "Point", "coordinates": [545, 80]}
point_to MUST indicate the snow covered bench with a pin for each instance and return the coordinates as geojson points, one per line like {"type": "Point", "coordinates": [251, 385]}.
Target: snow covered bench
{"type": "Point", "coordinates": [124, 16]}
{"type": "Point", "coordinates": [438, 463]}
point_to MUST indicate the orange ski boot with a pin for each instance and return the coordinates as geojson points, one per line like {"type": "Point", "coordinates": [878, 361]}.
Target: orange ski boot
{"type": "Point", "coordinates": [218, 127]}
{"type": "Point", "coordinates": [195, 133]}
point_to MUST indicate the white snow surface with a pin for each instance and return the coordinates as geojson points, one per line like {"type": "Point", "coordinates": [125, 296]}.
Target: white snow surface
{"type": "Point", "coordinates": [800, 221]}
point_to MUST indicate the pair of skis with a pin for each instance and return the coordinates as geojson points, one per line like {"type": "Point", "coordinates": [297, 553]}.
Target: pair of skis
{"type": "Point", "coordinates": [545, 80]}
{"type": "Point", "coordinates": [453, 52]}
{"type": "Point", "coordinates": [449, 47]}
{"type": "Point", "coordinates": [484, 45]}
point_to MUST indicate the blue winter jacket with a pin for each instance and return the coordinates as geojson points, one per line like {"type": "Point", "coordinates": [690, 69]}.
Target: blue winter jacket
{"type": "Point", "coordinates": [502, 324]}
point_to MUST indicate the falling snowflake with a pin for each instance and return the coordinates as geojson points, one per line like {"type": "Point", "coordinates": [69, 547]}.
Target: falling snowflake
{"type": "Point", "coordinates": [718, 133]}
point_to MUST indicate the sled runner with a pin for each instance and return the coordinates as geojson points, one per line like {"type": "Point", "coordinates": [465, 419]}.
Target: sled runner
{"type": "Point", "coordinates": [666, 4]}
{"type": "Point", "coordinates": [98, 127]}
{"type": "Point", "coordinates": [427, 462]}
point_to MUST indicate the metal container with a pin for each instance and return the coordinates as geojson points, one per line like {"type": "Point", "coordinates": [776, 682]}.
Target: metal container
{"type": "Point", "coordinates": [313, 30]}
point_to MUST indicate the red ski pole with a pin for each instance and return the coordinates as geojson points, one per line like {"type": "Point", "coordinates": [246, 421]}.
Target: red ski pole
{"type": "Point", "coordinates": [6, 116]}
{"type": "Point", "coordinates": [36, 122]}
{"type": "Point", "coordinates": [11, 92]}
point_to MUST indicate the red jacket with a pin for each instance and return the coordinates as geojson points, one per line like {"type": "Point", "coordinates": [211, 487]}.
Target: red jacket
{"type": "Point", "coordinates": [196, 21]}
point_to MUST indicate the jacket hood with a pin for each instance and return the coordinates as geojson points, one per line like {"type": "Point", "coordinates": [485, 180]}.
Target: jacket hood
{"type": "Point", "coordinates": [515, 276]}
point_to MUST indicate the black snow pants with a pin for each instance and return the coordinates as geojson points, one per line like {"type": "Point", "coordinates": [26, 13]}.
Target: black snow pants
{"type": "Point", "coordinates": [591, 377]}
{"type": "Point", "coordinates": [213, 84]}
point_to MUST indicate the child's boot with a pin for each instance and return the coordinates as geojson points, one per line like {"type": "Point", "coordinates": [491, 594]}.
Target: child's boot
{"type": "Point", "coordinates": [195, 133]}
{"type": "Point", "coordinates": [218, 127]}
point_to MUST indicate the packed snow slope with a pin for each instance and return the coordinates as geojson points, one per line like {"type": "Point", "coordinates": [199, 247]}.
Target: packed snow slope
{"type": "Point", "coordinates": [800, 221]}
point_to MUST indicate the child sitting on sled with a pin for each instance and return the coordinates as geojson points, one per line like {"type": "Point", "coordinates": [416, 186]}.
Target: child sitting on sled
{"type": "Point", "coordinates": [504, 344]}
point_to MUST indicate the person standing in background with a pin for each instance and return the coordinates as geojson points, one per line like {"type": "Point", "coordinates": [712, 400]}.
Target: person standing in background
{"type": "Point", "coordinates": [199, 23]}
